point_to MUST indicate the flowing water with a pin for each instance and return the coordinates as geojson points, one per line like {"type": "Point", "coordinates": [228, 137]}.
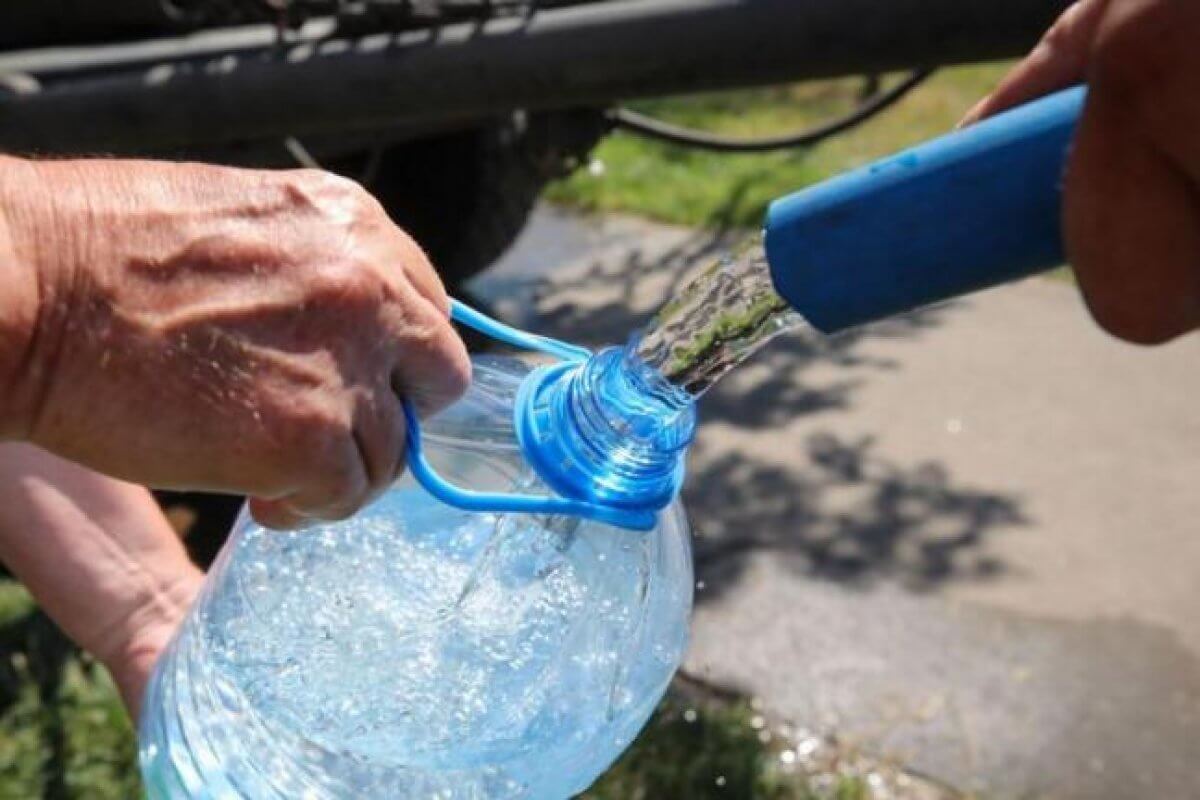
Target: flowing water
{"type": "Point", "coordinates": [724, 315]}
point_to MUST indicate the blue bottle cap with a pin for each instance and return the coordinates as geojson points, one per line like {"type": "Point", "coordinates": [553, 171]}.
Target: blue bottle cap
{"type": "Point", "coordinates": [607, 433]}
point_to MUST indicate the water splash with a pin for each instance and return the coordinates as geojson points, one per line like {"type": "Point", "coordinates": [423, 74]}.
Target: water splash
{"type": "Point", "coordinates": [728, 312]}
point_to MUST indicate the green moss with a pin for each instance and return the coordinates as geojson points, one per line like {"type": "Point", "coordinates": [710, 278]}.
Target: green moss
{"type": "Point", "coordinates": [726, 328]}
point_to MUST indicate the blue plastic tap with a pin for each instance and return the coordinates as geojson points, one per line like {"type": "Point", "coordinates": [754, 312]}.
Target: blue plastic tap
{"type": "Point", "coordinates": [978, 207]}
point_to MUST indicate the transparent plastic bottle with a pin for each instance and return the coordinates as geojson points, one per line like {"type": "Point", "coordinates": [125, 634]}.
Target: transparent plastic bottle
{"type": "Point", "coordinates": [422, 651]}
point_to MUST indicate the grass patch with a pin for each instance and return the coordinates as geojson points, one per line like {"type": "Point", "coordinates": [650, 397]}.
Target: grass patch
{"type": "Point", "coordinates": [699, 751]}
{"type": "Point", "coordinates": [63, 730]}
{"type": "Point", "coordinates": [690, 187]}
{"type": "Point", "coordinates": [702, 745]}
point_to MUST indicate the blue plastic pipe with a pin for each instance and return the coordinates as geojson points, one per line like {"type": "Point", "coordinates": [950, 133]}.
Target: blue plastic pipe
{"type": "Point", "coordinates": [970, 210]}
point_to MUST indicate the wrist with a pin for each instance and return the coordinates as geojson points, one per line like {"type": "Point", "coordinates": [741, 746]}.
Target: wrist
{"type": "Point", "coordinates": [37, 258]}
{"type": "Point", "coordinates": [130, 653]}
{"type": "Point", "coordinates": [132, 669]}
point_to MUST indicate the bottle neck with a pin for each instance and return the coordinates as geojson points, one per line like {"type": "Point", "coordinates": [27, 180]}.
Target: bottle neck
{"type": "Point", "coordinates": [610, 430]}
{"type": "Point", "coordinates": [628, 411]}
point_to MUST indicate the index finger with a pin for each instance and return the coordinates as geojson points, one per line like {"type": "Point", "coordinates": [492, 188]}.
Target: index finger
{"type": "Point", "coordinates": [1059, 60]}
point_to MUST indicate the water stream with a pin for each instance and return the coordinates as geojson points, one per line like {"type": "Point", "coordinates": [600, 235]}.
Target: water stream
{"type": "Point", "coordinates": [725, 314]}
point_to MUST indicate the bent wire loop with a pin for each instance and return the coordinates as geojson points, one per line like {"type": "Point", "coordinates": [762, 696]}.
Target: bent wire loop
{"type": "Point", "coordinates": [493, 502]}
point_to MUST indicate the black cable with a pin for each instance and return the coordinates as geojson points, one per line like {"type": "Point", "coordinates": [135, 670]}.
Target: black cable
{"type": "Point", "coordinates": [653, 128]}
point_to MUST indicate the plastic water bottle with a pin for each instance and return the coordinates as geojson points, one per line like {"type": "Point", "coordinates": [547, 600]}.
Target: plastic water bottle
{"type": "Point", "coordinates": [423, 650]}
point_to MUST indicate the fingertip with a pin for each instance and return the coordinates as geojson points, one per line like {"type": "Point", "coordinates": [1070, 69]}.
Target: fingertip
{"type": "Point", "coordinates": [450, 388]}
{"type": "Point", "coordinates": [974, 114]}
{"type": "Point", "coordinates": [401, 462]}
{"type": "Point", "coordinates": [1059, 61]}
{"type": "Point", "coordinates": [401, 469]}
{"type": "Point", "coordinates": [460, 371]}
{"type": "Point", "coordinates": [423, 275]}
{"type": "Point", "coordinates": [277, 515]}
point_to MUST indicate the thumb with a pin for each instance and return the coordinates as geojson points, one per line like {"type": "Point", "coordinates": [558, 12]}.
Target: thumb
{"type": "Point", "coordinates": [1060, 60]}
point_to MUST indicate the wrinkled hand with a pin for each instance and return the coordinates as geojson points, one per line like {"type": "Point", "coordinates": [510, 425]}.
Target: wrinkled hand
{"type": "Point", "coordinates": [1132, 199]}
{"type": "Point", "coordinates": [228, 330]}
{"type": "Point", "coordinates": [99, 557]}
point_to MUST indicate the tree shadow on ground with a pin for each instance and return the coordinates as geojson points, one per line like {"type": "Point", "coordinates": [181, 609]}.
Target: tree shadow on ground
{"type": "Point", "coordinates": [839, 511]}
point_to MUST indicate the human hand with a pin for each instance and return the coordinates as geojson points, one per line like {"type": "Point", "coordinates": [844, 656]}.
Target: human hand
{"type": "Point", "coordinates": [1132, 193]}
{"type": "Point", "coordinates": [228, 330]}
{"type": "Point", "coordinates": [99, 557]}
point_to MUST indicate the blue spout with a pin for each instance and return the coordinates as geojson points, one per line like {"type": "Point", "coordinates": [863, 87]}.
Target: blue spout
{"type": "Point", "coordinates": [973, 209]}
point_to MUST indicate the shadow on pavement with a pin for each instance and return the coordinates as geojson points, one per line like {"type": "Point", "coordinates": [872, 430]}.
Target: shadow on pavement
{"type": "Point", "coordinates": [842, 513]}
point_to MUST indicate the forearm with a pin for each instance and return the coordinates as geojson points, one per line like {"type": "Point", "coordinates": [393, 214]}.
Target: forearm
{"type": "Point", "coordinates": [51, 297]}
{"type": "Point", "coordinates": [98, 556]}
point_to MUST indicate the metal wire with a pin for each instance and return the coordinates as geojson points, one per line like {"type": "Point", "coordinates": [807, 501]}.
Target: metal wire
{"type": "Point", "coordinates": [653, 128]}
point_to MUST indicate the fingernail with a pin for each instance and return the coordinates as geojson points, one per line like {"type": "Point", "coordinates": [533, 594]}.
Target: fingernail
{"type": "Point", "coordinates": [972, 116]}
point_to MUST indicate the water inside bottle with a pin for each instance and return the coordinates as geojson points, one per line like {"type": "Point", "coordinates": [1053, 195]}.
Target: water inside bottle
{"type": "Point", "coordinates": [416, 650]}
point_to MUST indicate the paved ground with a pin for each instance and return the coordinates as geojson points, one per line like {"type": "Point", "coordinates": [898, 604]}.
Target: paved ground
{"type": "Point", "coordinates": [968, 539]}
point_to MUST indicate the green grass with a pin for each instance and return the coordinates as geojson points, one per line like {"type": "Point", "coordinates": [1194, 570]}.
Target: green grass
{"type": "Point", "coordinates": [690, 187]}
{"type": "Point", "coordinates": [702, 745]}
{"type": "Point", "coordinates": [712, 752]}
{"type": "Point", "coordinates": [63, 730]}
